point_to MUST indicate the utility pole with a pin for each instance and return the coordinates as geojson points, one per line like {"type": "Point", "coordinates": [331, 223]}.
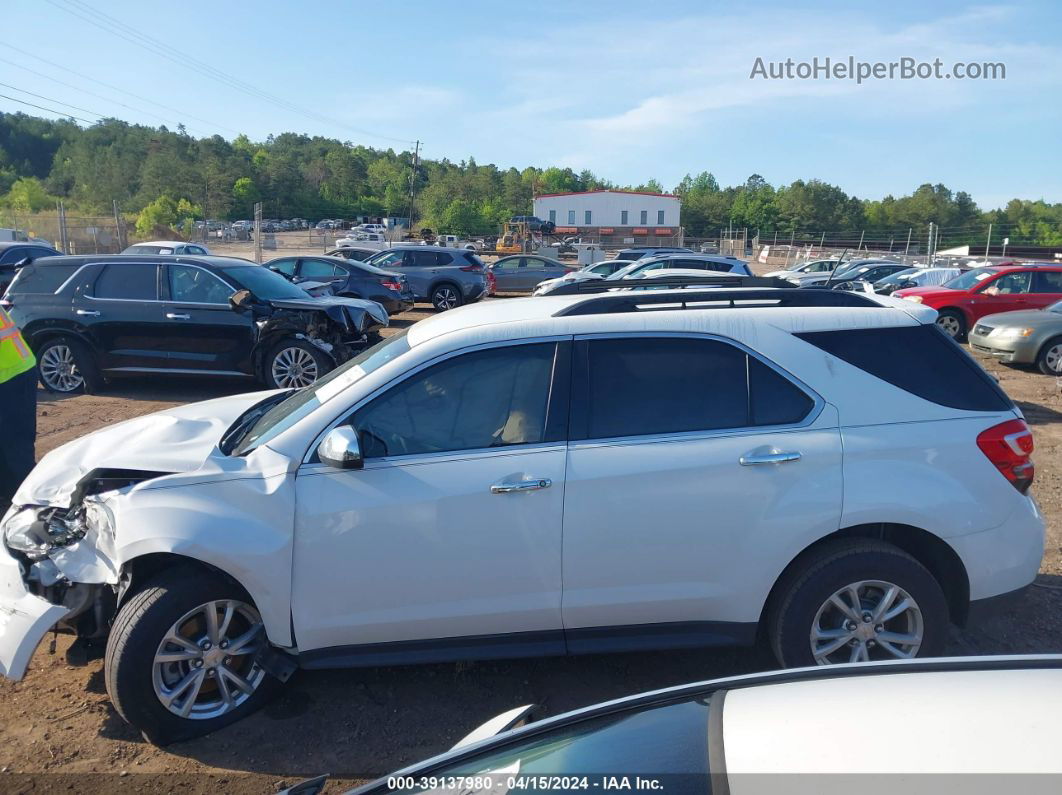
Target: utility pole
{"type": "Point", "coordinates": [929, 245]}
{"type": "Point", "coordinates": [258, 232]}
{"type": "Point", "coordinates": [988, 242]}
{"type": "Point", "coordinates": [118, 225]}
{"type": "Point", "coordinates": [64, 238]}
{"type": "Point", "coordinates": [413, 183]}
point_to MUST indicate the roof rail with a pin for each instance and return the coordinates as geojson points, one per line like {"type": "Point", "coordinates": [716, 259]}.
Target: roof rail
{"type": "Point", "coordinates": [709, 279]}
{"type": "Point", "coordinates": [740, 298]}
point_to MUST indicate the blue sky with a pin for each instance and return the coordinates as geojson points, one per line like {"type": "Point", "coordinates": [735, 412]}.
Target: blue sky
{"type": "Point", "coordinates": [628, 90]}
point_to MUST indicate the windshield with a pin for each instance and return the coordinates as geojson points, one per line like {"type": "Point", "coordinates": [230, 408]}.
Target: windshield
{"type": "Point", "coordinates": [627, 270]}
{"type": "Point", "coordinates": [264, 283]}
{"type": "Point", "coordinates": [1055, 307]}
{"type": "Point", "coordinates": [284, 415]}
{"type": "Point", "coordinates": [969, 279]}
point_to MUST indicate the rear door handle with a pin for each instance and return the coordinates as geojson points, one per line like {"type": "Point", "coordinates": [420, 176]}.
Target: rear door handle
{"type": "Point", "coordinates": [88, 312]}
{"type": "Point", "coordinates": [176, 316]}
{"type": "Point", "coordinates": [509, 487]}
{"type": "Point", "coordinates": [768, 458]}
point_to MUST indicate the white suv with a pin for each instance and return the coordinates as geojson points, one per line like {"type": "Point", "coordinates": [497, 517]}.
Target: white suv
{"type": "Point", "coordinates": [566, 474]}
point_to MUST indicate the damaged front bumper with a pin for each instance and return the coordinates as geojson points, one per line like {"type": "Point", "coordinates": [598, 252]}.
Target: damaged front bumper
{"type": "Point", "coordinates": [24, 618]}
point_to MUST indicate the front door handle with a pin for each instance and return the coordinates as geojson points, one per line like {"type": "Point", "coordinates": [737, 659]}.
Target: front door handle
{"type": "Point", "coordinates": [88, 312]}
{"type": "Point", "coordinates": [508, 487]}
{"type": "Point", "coordinates": [768, 458]}
{"type": "Point", "coordinates": [176, 316]}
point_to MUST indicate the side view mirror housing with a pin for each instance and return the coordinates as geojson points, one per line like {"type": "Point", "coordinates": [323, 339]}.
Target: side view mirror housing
{"type": "Point", "coordinates": [22, 263]}
{"type": "Point", "coordinates": [341, 449]}
{"type": "Point", "coordinates": [241, 299]}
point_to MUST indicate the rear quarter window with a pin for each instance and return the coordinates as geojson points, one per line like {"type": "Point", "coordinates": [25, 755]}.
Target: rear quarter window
{"type": "Point", "coordinates": [919, 359]}
{"type": "Point", "coordinates": [41, 279]}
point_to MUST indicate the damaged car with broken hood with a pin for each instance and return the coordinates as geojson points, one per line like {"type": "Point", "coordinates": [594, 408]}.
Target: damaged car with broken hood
{"type": "Point", "coordinates": [89, 319]}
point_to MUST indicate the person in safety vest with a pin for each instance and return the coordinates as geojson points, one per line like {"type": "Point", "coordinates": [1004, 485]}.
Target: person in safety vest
{"type": "Point", "coordinates": [18, 408]}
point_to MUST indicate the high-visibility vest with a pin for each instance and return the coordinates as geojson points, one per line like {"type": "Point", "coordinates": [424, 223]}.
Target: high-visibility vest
{"type": "Point", "coordinates": [15, 355]}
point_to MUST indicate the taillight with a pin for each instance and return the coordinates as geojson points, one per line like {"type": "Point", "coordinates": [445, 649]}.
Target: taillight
{"type": "Point", "coordinates": [472, 268]}
{"type": "Point", "coordinates": [1009, 446]}
{"type": "Point", "coordinates": [391, 284]}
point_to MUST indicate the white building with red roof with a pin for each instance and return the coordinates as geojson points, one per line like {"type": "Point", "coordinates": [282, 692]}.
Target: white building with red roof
{"type": "Point", "coordinates": [612, 214]}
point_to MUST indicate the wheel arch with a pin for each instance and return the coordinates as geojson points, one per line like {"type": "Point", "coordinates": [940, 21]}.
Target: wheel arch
{"type": "Point", "coordinates": [964, 313]}
{"type": "Point", "coordinates": [930, 550]}
{"type": "Point", "coordinates": [37, 337]}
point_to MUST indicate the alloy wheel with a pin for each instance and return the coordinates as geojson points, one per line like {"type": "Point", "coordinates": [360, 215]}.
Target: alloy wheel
{"type": "Point", "coordinates": [445, 298]}
{"type": "Point", "coordinates": [950, 325]}
{"type": "Point", "coordinates": [294, 368]}
{"type": "Point", "coordinates": [205, 665]}
{"type": "Point", "coordinates": [1053, 358]}
{"type": "Point", "coordinates": [59, 370]}
{"type": "Point", "coordinates": [869, 619]}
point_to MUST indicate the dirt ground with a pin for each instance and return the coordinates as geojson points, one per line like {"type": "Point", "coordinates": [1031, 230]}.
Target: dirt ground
{"type": "Point", "coordinates": [58, 731]}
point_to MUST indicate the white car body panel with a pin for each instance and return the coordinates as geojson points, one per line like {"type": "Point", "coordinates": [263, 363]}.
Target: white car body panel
{"type": "Point", "coordinates": [24, 619]}
{"type": "Point", "coordinates": [948, 722]}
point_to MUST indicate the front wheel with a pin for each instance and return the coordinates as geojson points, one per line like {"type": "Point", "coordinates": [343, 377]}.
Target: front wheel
{"type": "Point", "coordinates": [1049, 359]}
{"type": "Point", "coordinates": [182, 657]}
{"type": "Point", "coordinates": [952, 323]}
{"type": "Point", "coordinates": [293, 364]}
{"type": "Point", "coordinates": [445, 297]}
{"type": "Point", "coordinates": [857, 601]}
{"type": "Point", "coordinates": [64, 366]}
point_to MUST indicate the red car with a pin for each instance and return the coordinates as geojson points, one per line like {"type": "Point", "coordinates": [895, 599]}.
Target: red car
{"type": "Point", "coordinates": [965, 299]}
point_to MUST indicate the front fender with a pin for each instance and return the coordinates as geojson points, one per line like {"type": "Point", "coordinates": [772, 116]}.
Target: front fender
{"type": "Point", "coordinates": [241, 526]}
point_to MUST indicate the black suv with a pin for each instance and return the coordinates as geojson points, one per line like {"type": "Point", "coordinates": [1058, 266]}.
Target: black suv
{"type": "Point", "coordinates": [348, 278]}
{"type": "Point", "coordinates": [14, 255]}
{"type": "Point", "coordinates": [91, 318]}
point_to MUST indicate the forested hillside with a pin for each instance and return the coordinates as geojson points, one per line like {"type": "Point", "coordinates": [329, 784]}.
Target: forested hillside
{"type": "Point", "coordinates": [313, 177]}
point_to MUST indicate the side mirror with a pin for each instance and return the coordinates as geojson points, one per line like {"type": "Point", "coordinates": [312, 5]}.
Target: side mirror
{"type": "Point", "coordinates": [241, 299]}
{"type": "Point", "coordinates": [340, 448]}
{"type": "Point", "coordinates": [22, 263]}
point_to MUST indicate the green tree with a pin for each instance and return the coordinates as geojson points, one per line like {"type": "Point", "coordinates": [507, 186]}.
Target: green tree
{"type": "Point", "coordinates": [28, 195]}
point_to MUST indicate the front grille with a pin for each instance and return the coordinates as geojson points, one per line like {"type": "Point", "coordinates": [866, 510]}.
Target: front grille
{"type": "Point", "coordinates": [982, 330]}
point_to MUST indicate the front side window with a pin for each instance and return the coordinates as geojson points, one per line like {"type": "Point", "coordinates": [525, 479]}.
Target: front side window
{"type": "Point", "coordinates": [284, 266]}
{"type": "Point", "coordinates": [128, 282]}
{"type": "Point", "coordinates": [571, 216]}
{"type": "Point", "coordinates": [645, 217]}
{"type": "Point", "coordinates": [491, 398]}
{"type": "Point", "coordinates": [391, 259]}
{"type": "Point", "coordinates": [1010, 284]}
{"type": "Point", "coordinates": [197, 286]}
{"type": "Point", "coordinates": [510, 264]}
{"type": "Point", "coordinates": [317, 269]}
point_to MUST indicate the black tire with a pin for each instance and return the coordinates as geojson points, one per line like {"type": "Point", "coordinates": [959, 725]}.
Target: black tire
{"type": "Point", "coordinates": [1049, 351]}
{"type": "Point", "coordinates": [446, 296]}
{"type": "Point", "coordinates": [808, 586]}
{"type": "Point", "coordinates": [952, 323]}
{"type": "Point", "coordinates": [310, 356]}
{"type": "Point", "coordinates": [85, 364]}
{"type": "Point", "coordinates": [138, 632]}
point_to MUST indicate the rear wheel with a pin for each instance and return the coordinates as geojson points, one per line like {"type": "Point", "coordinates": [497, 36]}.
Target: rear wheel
{"type": "Point", "coordinates": [182, 657]}
{"type": "Point", "coordinates": [65, 365]}
{"type": "Point", "coordinates": [293, 364]}
{"type": "Point", "coordinates": [952, 323]}
{"type": "Point", "coordinates": [445, 296]}
{"type": "Point", "coordinates": [1049, 359]}
{"type": "Point", "coordinates": [856, 601]}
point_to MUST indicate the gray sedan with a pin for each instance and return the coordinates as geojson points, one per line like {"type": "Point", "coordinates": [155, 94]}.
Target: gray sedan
{"type": "Point", "coordinates": [522, 272]}
{"type": "Point", "coordinates": [1028, 336]}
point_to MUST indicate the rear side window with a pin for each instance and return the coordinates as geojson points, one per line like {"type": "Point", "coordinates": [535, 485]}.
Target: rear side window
{"type": "Point", "coordinates": [131, 282]}
{"type": "Point", "coordinates": [41, 279]}
{"type": "Point", "coordinates": [424, 259]}
{"type": "Point", "coordinates": [645, 386]}
{"type": "Point", "coordinates": [1047, 282]}
{"type": "Point", "coordinates": [919, 359]}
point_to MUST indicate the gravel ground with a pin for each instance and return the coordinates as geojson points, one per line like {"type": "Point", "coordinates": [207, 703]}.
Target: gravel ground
{"type": "Point", "coordinates": [58, 731]}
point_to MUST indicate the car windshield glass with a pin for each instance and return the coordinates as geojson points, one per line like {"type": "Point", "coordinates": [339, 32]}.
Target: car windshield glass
{"type": "Point", "coordinates": [264, 283]}
{"type": "Point", "coordinates": [1055, 307]}
{"type": "Point", "coordinates": [671, 739]}
{"type": "Point", "coordinates": [626, 271]}
{"type": "Point", "coordinates": [899, 276]}
{"type": "Point", "coordinates": [282, 416]}
{"type": "Point", "coordinates": [969, 279]}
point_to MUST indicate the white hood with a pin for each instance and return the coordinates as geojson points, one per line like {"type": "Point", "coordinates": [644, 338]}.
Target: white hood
{"type": "Point", "coordinates": [175, 440]}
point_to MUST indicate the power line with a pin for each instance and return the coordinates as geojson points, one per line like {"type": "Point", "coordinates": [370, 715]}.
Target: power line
{"type": "Point", "coordinates": [115, 88]}
{"type": "Point", "coordinates": [56, 101]}
{"type": "Point", "coordinates": [155, 46]}
{"type": "Point", "coordinates": [49, 110]}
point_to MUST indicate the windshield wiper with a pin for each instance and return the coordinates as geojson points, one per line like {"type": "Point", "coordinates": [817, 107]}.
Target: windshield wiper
{"type": "Point", "coordinates": [239, 428]}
